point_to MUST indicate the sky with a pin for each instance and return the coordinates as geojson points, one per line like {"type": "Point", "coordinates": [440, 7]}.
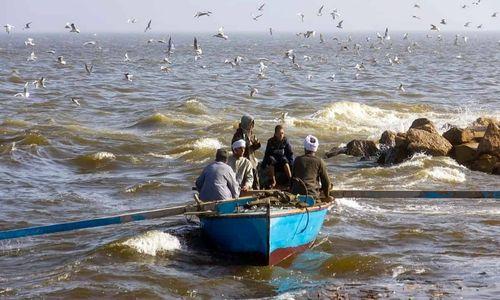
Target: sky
{"type": "Point", "coordinates": [236, 15]}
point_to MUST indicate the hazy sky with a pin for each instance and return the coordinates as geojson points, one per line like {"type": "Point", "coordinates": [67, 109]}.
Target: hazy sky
{"type": "Point", "coordinates": [235, 15]}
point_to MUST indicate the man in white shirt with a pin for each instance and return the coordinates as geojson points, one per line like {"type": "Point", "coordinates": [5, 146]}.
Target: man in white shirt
{"type": "Point", "coordinates": [241, 165]}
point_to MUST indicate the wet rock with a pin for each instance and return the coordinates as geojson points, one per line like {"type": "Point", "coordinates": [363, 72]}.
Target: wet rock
{"type": "Point", "coordinates": [424, 141]}
{"type": "Point", "coordinates": [486, 163]}
{"type": "Point", "coordinates": [424, 124]}
{"type": "Point", "coordinates": [484, 122]}
{"type": "Point", "coordinates": [388, 138]}
{"type": "Point", "coordinates": [465, 153]}
{"type": "Point", "coordinates": [457, 136]}
{"type": "Point", "coordinates": [400, 140]}
{"type": "Point", "coordinates": [364, 148]}
{"type": "Point", "coordinates": [336, 151]}
{"type": "Point", "coordinates": [496, 169]}
{"type": "Point", "coordinates": [393, 155]}
{"type": "Point", "coordinates": [490, 143]}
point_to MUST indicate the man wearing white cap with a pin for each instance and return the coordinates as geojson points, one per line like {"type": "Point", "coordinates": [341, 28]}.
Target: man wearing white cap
{"type": "Point", "coordinates": [241, 165]}
{"type": "Point", "coordinates": [307, 169]}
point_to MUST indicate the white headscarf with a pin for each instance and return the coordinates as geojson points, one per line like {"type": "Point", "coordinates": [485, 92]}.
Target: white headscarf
{"type": "Point", "coordinates": [239, 144]}
{"type": "Point", "coordinates": [311, 143]}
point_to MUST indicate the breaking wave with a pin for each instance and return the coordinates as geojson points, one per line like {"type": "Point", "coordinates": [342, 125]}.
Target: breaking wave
{"type": "Point", "coordinates": [152, 243]}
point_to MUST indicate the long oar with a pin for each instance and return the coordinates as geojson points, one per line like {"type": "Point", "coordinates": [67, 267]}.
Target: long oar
{"type": "Point", "coordinates": [118, 219]}
{"type": "Point", "coordinates": [178, 210]}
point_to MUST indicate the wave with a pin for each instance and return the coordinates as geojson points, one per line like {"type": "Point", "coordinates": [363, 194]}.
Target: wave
{"type": "Point", "coordinates": [95, 160]}
{"type": "Point", "coordinates": [152, 243]}
{"type": "Point", "coordinates": [145, 186]}
{"type": "Point", "coordinates": [195, 107]}
{"type": "Point", "coordinates": [159, 120]}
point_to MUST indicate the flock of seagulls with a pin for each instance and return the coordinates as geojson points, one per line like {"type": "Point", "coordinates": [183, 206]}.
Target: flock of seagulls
{"type": "Point", "coordinates": [381, 39]}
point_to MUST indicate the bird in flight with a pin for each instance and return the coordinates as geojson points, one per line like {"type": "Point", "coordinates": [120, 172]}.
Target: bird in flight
{"type": "Point", "coordinates": [148, 27]}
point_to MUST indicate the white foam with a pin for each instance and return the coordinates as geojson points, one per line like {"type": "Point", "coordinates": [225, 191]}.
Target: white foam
{"type": "Point", "coordinates": [153, 242]}
{"type": "Point", "coordinates": [445, 174]}
{"type": "Point", "coordinates": [350, 203]}
{"type": "Point", "coordinates": [103, 155]}
{"type": "Point", "coordinates": [207, 143]}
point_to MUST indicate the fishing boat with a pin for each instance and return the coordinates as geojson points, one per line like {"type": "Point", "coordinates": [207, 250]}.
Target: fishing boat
{"type": "Point", "coordinates": [268, 233]}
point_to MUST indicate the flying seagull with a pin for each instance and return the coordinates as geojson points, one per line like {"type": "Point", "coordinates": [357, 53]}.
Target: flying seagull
{"type": "Point", "coordinates": [197, 48]}
{"type": "Point", "coordinates": [27, 26]}
{"type": "Point", "coordinates": [128, 76]}
{"type": "Point", "coordinates": [75, 100]}
{"type": "Point", "coordinates": [335, 14]}
{"type": "Point", "coordinates": [148, 27]}
{"type": "Point", "coordinates": [301, 15]}
{"type": "Point", "coordinates": [401, 88]}
{"type": "Point", "coordinates": [494, 15]}
{"type": "Point", "coordinates": [253, 91]}
{"type": "Point", "coordinates": [25, 93]}
{"type": "Point", "coordinates": [339, 25]}
{"type": "Point", "coordinates": [89, 68]}
{"type": "Point", "coordinates": [320, 13]}
{"type": "Point", "coordinates": [32, 57]}
{"type": "Point", "coordinates": [270, 31]}
{"type": "Point", "coordinates": [60, 60]}
{"type": "Point", "coordinates": [443, 21]}
{"type": "Point", "coordinates": [39, 83]}
{"type": "Point", "coordinates": [261, 7]}
{"type": "Point", "coordinates": [74, 29]}
{"type": "Point", "coordinates": [467, 24]}
{"type": "Point", "coordinates": [434, 27]}
{"type": "Point", "coordinates": [255, 17]}
{"type": "Point", "coordinates": [132, 20]}
{"type": "Point", "coordinates": [29, 42]}
{"type": "Point", "coordinates": [8, 28]}
{"type": "Point", "coordinates": [221, 34]}
{"type": "Point", "coordinates": [202, 13]}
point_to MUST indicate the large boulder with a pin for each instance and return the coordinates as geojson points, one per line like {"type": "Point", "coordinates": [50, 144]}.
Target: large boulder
{"type": "Point", "coordinates": [430, 143]}
{"type": "Point", "coordinates": [364, 148]}
{"type": "Point", "coordinates": [400, 140]}
{"type": "Point", "coordinates": [490, 143]}
{"type": "Point", "coordinates": [484, 122]}
{"type": "Point", "coordinates": [465, 153]}
{"type": "Point", "coordinates": [335, 151]}
{"type": "Point", "coordinates": [388, 138]}
{"type": "Point", "coordinates": [424, 124]}
{"type": "Point", "coordinates": [457, 136]}
{"type": "Point", "coordinates": [486, 163]}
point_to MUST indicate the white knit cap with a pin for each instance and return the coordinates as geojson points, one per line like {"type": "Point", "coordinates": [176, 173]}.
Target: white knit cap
{"type": "Point", "coordinates": [311, 143]}
{"type": "Point", "coordinates": [239, 144]}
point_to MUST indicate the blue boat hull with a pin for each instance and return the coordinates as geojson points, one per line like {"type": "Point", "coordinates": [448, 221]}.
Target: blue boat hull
{"type": "Point", "coordinates": [269, 236]}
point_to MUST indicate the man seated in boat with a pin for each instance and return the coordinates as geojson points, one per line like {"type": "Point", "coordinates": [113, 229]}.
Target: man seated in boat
{"type": "Point", "coordinates": [309, 171]}
{"type": "Point", "coordinates": [252, 144]}
{"type": "Point", "coordinates": [278, 159]}
{"type": "Point", "coordinates": [218, 180]}
{"type": "Point", "coordinates": [241, 166]}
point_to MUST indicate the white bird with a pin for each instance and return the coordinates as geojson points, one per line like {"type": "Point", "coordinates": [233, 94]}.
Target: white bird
{"type": "Point", "coordinates": [320, 13]}
{"type": "Point", "coordinates": [386, 34]}
{"type": "Point", "coordinates": [321, 38]}
{"type": "Point", "coordinates": [261, 7]}
{"type": "Point", "coordinates": [89, 68]}
{"type": "Point", "coordinates": [309, 33]}
{"type": "Point", "coordinates": [301, 15]}
{"type": "Point", "coordinates": [289, 53]}
{"type": "Point", "coordinates": [270, 31]}
{"type": "Point", "coordinates": [75, 100]}
{"type": "Point", "coordinates": [331, 77]}
{"type": "Point", "coordinates": [148, 27]}
{"type": "Point", "coordinates": [32, 57]}
{"type": "Point", "coordinates": [480, 26]}
{"type": "Point", "coordinates": [29, 42]}
{"type": "Point", "coordinates": [467, 24]}
{"type": "Point", "coordinates": [434, 27]}
{"type": "Point", "coordinates": [126, 57]}
{"type": "Point", "coordinates": [39, 83]}
{"type": "Point", "coordinates": [253, 91]}
{"type": "Point", "coordinates": [165, 68]}
{"type": "Point", "coordinates": [405, 36]}
{"type": "Point", "coordinates": [339, 25]}
{"type": "Point", "coordinates": [132, 20]}
{"type": "Point", "coordinates": [89, 43]}
{"type": "Point", "coordinates": [415, 17]}
{"type": "Point", "coordinates": [416, 5]}
{"type": "Point", "coordinates": [51, 52]}
{"type": "Point", "coordinates": [401, 88]}
{"type": "Point", "coordinates": [335, 14]}
{"type": "Point", "coordinates": [494, 15]}
{"type": "Point", "coordinates": [202, 13]}
{"type": "Point", "coordinates": [8, 28]}
{"type": "Point", "coordinates": [197, 48]}
{"type": "Point", "coordinates": [60, 60]}
{"type": "Point", "coordinates": [68, 25]}
{"type": "Point", "coordinates": [128, 76]}
{"type": "Point", "coordinates": [74, 29]}
{"type": "Point", "coordinates": [27, 25]}
{"type": "Point", "coordinates": [256, 17]}
{"type": "Point", "coordinates": [25, 93]}
{"type": "Point", "coordinates": [221, 34]}
{"type": "Point", "coordinates": [443, 21]}
{"type": "Point", "coordinates": [464, 6]}
{"type": "Point", "coordinates": [262, 67]}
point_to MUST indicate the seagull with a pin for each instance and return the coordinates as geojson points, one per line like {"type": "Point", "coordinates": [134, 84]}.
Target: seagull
{"type": "Point", "coordinates": [39, 83]}
{"type": "Point", "coordinates": [128, 76]}
{"type": "Point", "coordinates": [60, 60]}
{"type": "Point", "coordinates": [386, 34]}
{"type": "Point", "coordinates": [339, 25]}
{"type": "Point", "coordinates": [270, 31]}
{"type": "Point", "coordinates": [75, 100]}
{"type": "Point", "coordinates": [29, 42]}
{"type": "Point", "coordinates": [170, 47]}
{"type": "Point", "coordinates": [8, 28]}
{"type": "Point", "coordinates": [89, 68]}
{"type": "Point", "coordinates": [253, 91]}
{"type": "Point", "coordinates": [467, 24]}
{"type": "Point", "coordinates": [197, 48]}
{"type": "Point", "coordinates": [416, 5]}
{"type": "Point", "coordinates": [165, 68]}
{"type": "Point", "coordinates": [335, 14]}
{"type": "Point", "coordinates": [494, 15]}
{"type": "Point", "coordinates": [320, 11]}
{"type": "Point", "coordinates": [321, 38]}
{"type": "Point", "coordinates": [68, 25]}
{"type": "Point", "coordinates": [405, 36]}
{"type": "Point", "coordinates": [27, 25]}
{"type": "Point", "coordinates": [126, 57]}
{"type": "Point", "coordinates": [90, 43]}
{"type": "Point", "coordinates": [309, 33]}
{"type": "Point", "coordinates": [148, 27]}
{"type": "Point", "coordinates": [262, 67]}
{"type": "Point", "coordinates": [25, 93]}
{"type": "Point", "coordinates": [301, 15]}
{"type": "Point", "coordinates": [443, 21]}
{"type": "Point", "coordinates": [32, 57]}
{"type": "Point", "coordinates": [464, 6]}
{"type": "Point", "coordinates": [221, 34]}
{"type": "Point", "coordinates": [401, 88]}
{"type": "Point", "coordinates": [202, 13]}
{"type": "Point", "coordinates": [132, 20]}
{"type": "Point", "coordinates": [480, 26]}
{"type": "Point", "coordinates": [289, 53]}
{"type": "Point", "coordinates": [256, 17]}
{"type": "Point", "coordinates": [261, 7]}
{"type": "Point", "coordinates": [51, 52]}
{"type": "Point", "coordinates": [434, 27]}
{"type": "Point", "coordinates": [331, 77]}
{"type": "Point", "coordinates": [283, 117]}
{"type": "Point", "coordinates": [415, 17]}
{"type": "Point", "coordinates": [74, 29]}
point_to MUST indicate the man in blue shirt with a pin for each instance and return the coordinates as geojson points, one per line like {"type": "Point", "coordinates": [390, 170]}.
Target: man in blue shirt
{"type": "Point", "coordinates": [278, 157]}
{"type": "Point", "coordinates": [218, 180]}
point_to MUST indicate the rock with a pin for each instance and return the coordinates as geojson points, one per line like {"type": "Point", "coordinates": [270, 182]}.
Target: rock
{"type": "Point", "coordinates": [400, 140]}
{"type": "Point", "coordinates": [484, 122]}
{"type": "Point", "coordinates": [490, 143]}
{"type": "Point", "coordinates": [464, 153]}
{"type": "Point", "coordinates": [388, 138]}
{"type": "Point", "coordinates": [496, 169]}
{"type": "Point", "coordinates": [478, 134]}
{"type": "Point", "coordinates": [424, 124]}
{"type": "Point", "coordinates": [362, 148]}
{"type": "Point", "coordinates": [486, 163]}
{"type": "Point", "coordinates": [430, 143]}
{"type": "Point", "coordinates": [457, 136]}
{"type": "Point", "coordinates": [336, 151]}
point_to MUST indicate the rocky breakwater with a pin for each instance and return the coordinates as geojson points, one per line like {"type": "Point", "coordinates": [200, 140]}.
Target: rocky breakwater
{"type": "Point", "coordinates": [476, 146]}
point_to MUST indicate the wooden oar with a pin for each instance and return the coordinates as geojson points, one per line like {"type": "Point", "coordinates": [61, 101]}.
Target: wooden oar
{"type": "Point", "coordinates": [203, 206]}
{"type": "Point", "coordinates": [118, 219]}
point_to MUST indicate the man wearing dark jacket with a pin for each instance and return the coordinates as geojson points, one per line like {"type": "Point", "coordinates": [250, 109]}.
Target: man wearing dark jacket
{"type": "Point", "coordinates": [245, 132]}
{"type": "Point", "coordinates": [309, 170]}
{"type": "Point", "coordinates": [278, 156]}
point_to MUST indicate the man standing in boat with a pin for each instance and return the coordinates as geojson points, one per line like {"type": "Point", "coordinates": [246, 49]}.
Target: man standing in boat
{"type": "Point", "coordinates": [218, 181]}
{"type": "Point", "coordinates": [278, 157]}
{"type": "Point", "coordinates": [241, 166]}
{"type": "Point", "coordinates": [252, 144]}
{"type": "Point", "coordinates": [310, 170]}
